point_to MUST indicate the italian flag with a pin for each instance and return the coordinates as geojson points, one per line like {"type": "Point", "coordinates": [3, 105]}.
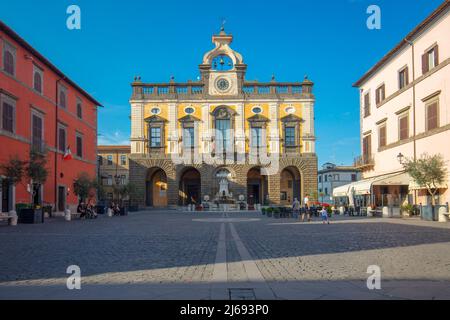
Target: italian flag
{"type": "Point", "coordinates": [67, 154]}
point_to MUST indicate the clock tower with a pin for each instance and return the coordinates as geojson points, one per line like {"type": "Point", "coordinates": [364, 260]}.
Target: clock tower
{"type": "Point", "coordinates": [223, 69]}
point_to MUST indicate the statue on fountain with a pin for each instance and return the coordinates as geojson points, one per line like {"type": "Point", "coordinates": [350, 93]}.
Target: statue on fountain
{"type": "Point", "coordinates": [223, 189]}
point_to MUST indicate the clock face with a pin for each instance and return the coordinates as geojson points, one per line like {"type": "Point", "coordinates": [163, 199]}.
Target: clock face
{"type": "Point", "coordinates": [223, 84]}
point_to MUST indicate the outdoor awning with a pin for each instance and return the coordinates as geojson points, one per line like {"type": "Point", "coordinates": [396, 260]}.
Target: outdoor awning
{"type": "Point", "coordinates": [398, 179]}
{"type": "Point", "coordinates": [414, 186]}
{"type": "Point", "coordinates": [342, 191]}
{"type": "Point", "coordinates": [364, 187]}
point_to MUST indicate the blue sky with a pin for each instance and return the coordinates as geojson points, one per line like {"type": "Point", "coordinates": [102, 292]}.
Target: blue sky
{"type": "Point", "coordinates": [327, 40]}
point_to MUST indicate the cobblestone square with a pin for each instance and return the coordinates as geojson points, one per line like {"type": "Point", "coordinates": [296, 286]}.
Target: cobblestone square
{"type": "Point", "coordinates": [176, 255]}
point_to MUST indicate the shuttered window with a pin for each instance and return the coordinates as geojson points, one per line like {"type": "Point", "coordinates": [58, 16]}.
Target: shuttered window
{"type": "Point", "coordinates": [430, 59]}
{"type": "Point", "coordinates": [62, 139]}
{"type": "Point", "coordinates": [79, 146]}
{"type": "Point", "coordinates": [8, 117]}
{"type": "Point", "coordinates": [404, 127]}
{"type": "Point", "coordinates": [432, 116]}
{"type": "Point", "coordinates": [403, 78]}
{"type": "Point", "coordinates": [380, 94]}
{"type": "Point", "coordinates": [367, 105]}
{"type": "Point", "coordinates": [382, 136]}
{"type": "Point", "coordinates": [367, 148]}
{"type": "Point", "coordinates": [9, 59]}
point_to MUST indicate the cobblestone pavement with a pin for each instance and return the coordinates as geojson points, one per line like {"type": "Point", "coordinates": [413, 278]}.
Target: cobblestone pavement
{"type": "Point", "coordinates": [170, 254]}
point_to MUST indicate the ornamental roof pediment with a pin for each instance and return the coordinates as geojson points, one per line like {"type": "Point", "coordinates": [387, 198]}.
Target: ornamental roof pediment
{"type": "Point", "coordinates": [258, 118]}
{"type": "Point", "coordinates": [155, 118]}
{"type": "Point", "coordinates": [189, 118]}
{"type": "Point", "coordinates": [291, 118]}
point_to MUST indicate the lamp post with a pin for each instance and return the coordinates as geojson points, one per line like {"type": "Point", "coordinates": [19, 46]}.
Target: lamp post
{"type": "Point", "coordinates": [117, 181]}
{"type": "Point", "coordinates": [400, 158]}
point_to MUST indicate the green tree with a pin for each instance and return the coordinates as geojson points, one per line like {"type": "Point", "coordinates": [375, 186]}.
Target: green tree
{"type": "Point", "coordinates": [101, 194]}
{"type": "Point", "coordinates": [82, 186]}
{"type": "Point", "coordinates": [36, 170]}
{"type": "Point", "coordinates": [428, 171]}
{"type": "Point", "coordinates": [13, 170]}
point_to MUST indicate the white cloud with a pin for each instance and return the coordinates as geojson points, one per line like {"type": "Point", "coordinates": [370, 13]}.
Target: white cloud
{"type": "Point", "coordinates": [116, 138]}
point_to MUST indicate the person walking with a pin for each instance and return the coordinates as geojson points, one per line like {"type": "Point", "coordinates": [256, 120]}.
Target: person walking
{"type": "Point", "coordinates": [296, 208]}
{"type": "Point", "coordinates": [324, 214]}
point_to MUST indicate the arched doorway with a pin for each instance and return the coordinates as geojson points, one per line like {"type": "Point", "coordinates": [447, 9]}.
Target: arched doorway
{"type": "Point", "coordinates": [256, 186]}
{"type": "Point", "coordinates": [290, 185]}
{"type": "Point", "coordinates": [190, 187]}
{"type": "Point", "coordinates": [156, 188]}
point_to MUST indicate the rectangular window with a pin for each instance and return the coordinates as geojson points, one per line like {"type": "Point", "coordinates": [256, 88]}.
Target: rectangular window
{"type": "Point", "coordinates": [326, 191]}
{"type": "Point", "coordinates": [382, 136]}
{"type": "Point", "coordinates": [367, 148]}
{"type": "Point", "coordinates": [100, 160]}
{"type": "Point", "coordinates": [123, 179]}
{"type": "Point", "coordinates": [110, 182]}
{"type": "Point", "coordinates": [79, 146]}
{"type": "Point", "coordinates": [256, 137]}
{"type": "Point", "coordinates": [403, 123]}
{"type": "Point", "coordinates": [155, 137]}
{"type": "Point", "coordinates": [37, 131]}
{"type": "Point", "coordinates": [188, 137]}
{"type": "Point", "coordinates": [62, 136]}
{"type": "Point", "coordinates": [123, 160]}
{"type": "Point", "coordinates": [223, 137]}
{"type": "Point", "coordinates": [320, 178]}
{"type": "Point", "coordinates": [403, 78]}
{"type": "Point", "coordinates": [109, 160]}
{"type": "Point", "coordinates": [367, 105]}
{"type": "Point", "coordinates": [289, 136]}
{"type": "Point", "coordinates": [79, 109]}
{"type": "Point", "coordinates": [9, 59]}
{"type": "Point", "coordinates": [380, 94]}
{"type": "Point", "coordinates": [353, 177]}
{"type": "Point", "coordinates": [8, 114]}
{"type": "Point", "coordinates": [432, 112]}
{"type": "Point", "coordinates": [430, 59]}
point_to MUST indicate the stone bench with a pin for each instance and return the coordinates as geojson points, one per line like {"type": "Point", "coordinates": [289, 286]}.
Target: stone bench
{"type": "Point", "coordinates": [10, 217]}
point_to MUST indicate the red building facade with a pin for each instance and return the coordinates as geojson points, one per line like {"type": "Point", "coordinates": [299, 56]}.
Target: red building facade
{"type": "Point", "coordinates": [43, 110]}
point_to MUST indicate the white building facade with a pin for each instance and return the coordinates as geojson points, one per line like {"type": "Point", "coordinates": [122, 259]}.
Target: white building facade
{"type": "Point", "coordinates": [405, 113]}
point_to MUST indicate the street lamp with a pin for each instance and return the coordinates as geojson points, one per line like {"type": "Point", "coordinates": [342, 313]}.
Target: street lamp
{"type": "Point", "coordinates": [400, 158]}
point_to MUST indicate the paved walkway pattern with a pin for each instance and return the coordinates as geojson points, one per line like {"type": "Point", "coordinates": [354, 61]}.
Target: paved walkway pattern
{"type": "Point", "coordinates": [174, 255]}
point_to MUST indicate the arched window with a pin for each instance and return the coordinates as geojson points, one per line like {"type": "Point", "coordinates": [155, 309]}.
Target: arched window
{"type": "Point", "coordinates": [37, 81]}
{"type": "Point", "coordinates": [222, 63]}
{"type": "Point", "coordinates": [8, 62]}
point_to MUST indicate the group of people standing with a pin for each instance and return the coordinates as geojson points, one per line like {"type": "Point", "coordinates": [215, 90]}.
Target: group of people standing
{"type": "Point", "coordinates": [307, 211]}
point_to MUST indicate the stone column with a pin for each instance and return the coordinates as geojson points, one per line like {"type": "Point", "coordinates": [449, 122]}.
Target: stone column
{"type": "Point", "coordinates": [138, 174]}
{"type": "Point", "coordinates": [173, 129]}
{"type": "Point", "coordinates": [274, 132]}
{"type": "Point", "coordinates": [172, 188]}
{"type": "Point", "coordinates": [137, 127]}
{"type": "Point", "coordinates": [308, 127]}
{"type": "Point", "coordinates": [240, 129]}
{"type": "Point", "coordinates": [206, 129]}
{"type": "Point", "coordinates": [274, 189]}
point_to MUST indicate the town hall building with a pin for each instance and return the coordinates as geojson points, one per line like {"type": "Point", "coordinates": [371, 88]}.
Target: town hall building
{"type": "Point", "coordinates": [222, 139]}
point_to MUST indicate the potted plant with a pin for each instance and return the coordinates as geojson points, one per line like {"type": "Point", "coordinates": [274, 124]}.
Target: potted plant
{"type": "Point", "coordinates": [407, 210]}
{"type": "Point", "coordinates": [269, 212]}
{"type": "Point", "coordinates": [276, 212]}
{"type": "Point", "coordinates": [263, 211]}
